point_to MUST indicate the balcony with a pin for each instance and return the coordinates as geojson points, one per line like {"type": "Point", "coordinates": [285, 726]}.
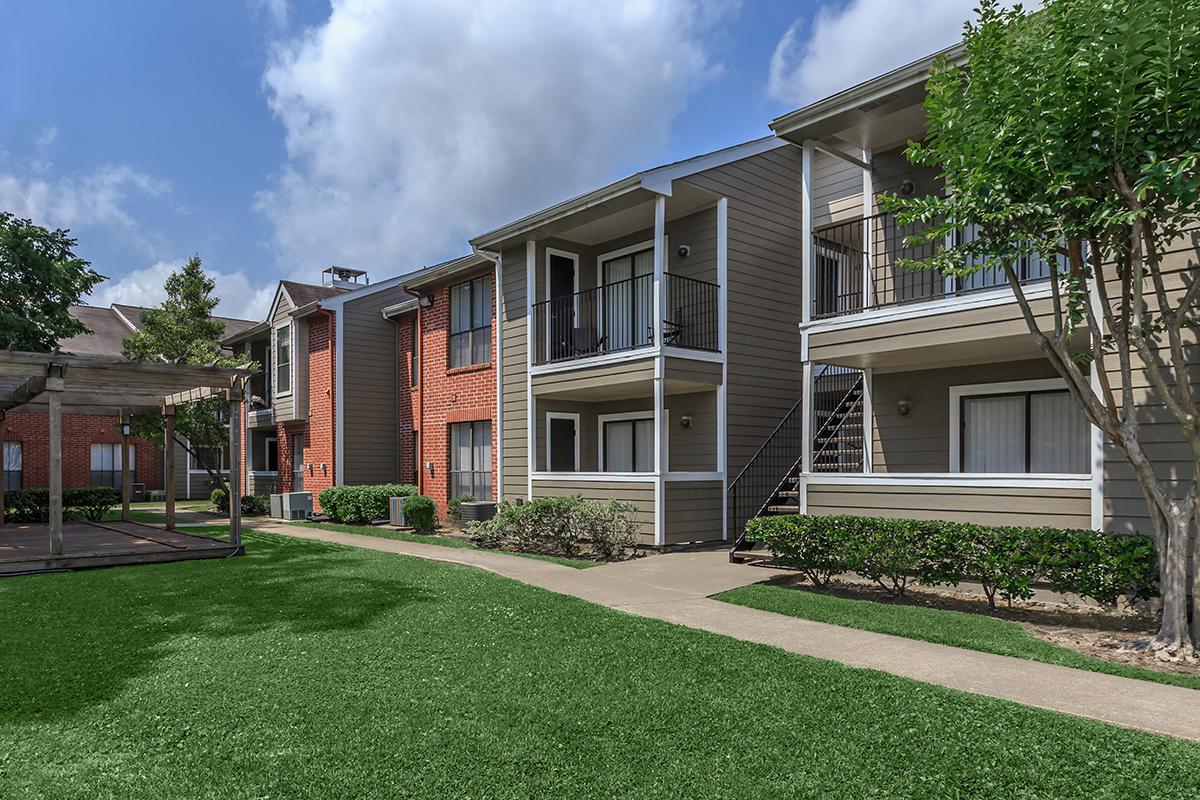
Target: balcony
{"type": "Point", "coordinates": [619, 316]}
{"type": "Point", "coordinates": [856, 267]}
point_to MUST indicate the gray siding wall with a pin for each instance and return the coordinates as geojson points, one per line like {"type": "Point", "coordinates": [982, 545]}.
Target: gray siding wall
{"type": "Point", "coordinates": [920, 442]}
{"type": "Point", "coordinates": [514, 387]}
{"type": "Point", "coordinates": [692, 512]}
{"type": "Point", "coordinates": [1055, 508]}
{"type": "Point", "coordinates": [369, 398]}
{"type": "Point", "coordinates": [639, 495]}
{"type": "Point", "coordinates": [764, 274]}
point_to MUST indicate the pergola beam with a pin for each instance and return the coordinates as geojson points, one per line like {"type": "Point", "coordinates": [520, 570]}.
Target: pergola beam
{"type": "Point", "coordinates": [192, 395]}
{"type": "Point", "coordinates": [26, 392]}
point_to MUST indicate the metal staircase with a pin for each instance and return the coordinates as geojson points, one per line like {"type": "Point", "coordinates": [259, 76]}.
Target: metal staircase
{"type": "Point", "coordinates": [769, 483]}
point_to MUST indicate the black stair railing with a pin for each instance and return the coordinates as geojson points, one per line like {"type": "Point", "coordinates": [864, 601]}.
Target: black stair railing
{"type": "Point", "coordinates": [767, 471]}
{"type": "Point", "coordinates": [837, 407]}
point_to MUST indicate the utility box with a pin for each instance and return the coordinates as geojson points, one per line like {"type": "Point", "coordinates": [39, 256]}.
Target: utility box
{"type": "Point", "coordinates": [478, 510]}
{"type": "Point", "coordinates": [137, 492]}
{"type": "Point", "coordinates": [396, 511]}
{"type": "Point", "coordinates": [296, 505]}
{"type": "Point", "coordinates": [277, 506]}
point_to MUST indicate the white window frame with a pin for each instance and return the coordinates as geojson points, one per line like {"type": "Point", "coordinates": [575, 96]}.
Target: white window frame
{"type": "Point", "coordinates": [267, 473]}
{"type": "Point", "coordinates": [291, 326]}
{"type": "Point", "coordinates": [19, 447]}
{"type": "Point", "coordinates": [574, 417]}
{"type": "Point", "coordinates": [631, 415]}
{"type": "Point", "coordinates": [1005, 387]}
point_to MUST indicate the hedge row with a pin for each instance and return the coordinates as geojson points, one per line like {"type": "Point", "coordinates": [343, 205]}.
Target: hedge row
{"type": "Point", "coordinates": [358, 504]}
{"type": "Point", "coordinates": [33, 505]}
{"type": "Point", "coordinates": [1006, 561]}
{"type": "Point", "coordinates": [252, 505]}
{"type": "Point", "coordinates": [560, 526]}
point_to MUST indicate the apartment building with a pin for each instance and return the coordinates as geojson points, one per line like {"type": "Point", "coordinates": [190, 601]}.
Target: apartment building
{"type": "Point", "coordinates": [92, 437]}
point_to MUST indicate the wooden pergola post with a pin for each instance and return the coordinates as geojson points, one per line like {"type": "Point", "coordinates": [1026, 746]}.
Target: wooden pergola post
{"type": "Point", "coordinates": [235, 462]}
{"type": "Point", "coordinates": [54, 390]}
{"type": "Point", "coordinates": [126, 487]}
{"type": "Point", "coordinates": [3, 462]}
{"type": "Point", "coordinates": [169, 462]}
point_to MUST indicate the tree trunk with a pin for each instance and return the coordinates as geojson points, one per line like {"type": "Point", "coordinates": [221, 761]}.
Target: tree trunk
{"type": "Point", "coordinates": [1173, 636]}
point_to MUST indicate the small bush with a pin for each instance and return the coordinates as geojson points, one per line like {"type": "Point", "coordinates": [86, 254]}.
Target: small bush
{"type": "Point", "coordinates": [359, 504]}
{"type": "Point", "coordinates": [255, 505]}
{"type": "Point", "coordinates": [560, 526]}
{"type": "Point", "coordinates": [220, 499]}
{"type": "Point", "coordinates": [33, 505]}
{"type": "Point", "coordinates": [420, 512]}
{"type": "Point", "coordinates": [1006, 561]}
{"type": "Point", "coordinates": [454, 506]}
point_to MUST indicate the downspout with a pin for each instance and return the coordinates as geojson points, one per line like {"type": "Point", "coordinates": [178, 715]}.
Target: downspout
{"type": "Point", "coordinates": [420, 465]}
{"type": "Point", "coordinates": [498, 437]}
{"type": "Point", "coordinates": [332, 400]}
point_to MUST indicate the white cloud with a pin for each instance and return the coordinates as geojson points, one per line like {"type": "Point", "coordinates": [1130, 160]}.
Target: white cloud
{"type": "Point", "coordinates": [848, 44]}
{"type": "Point", "coordinates": [277, 11]}
{"type": "Point", "coordinates": [413, 125]}
{"type": "Point", "coordinates": [240, 297]}
{"type": "Point", "coordinates": [95, 198]}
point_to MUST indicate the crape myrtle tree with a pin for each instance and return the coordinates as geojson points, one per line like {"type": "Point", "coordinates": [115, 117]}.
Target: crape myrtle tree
{"type": "Point", "coordinates": [40, 279]}
{"type": "Point", "coordinates": [1074, 132]}
{"type": "Point", "coordinates": [182, 331]}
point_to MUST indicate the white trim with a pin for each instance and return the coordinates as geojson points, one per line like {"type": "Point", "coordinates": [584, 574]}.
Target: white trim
{"type": "Point", "coordinates": [339, 398]}
{"type": "Point", "coordinates": [806, 237]}
{"type": "Point", "coordinates": [723, 346]}
{"type": "Point", "coordinates": [573, 416]}
{"type": "Point", "coordinates": [498, 323]}
{"type": "Point", "coordinates": [263, 473]}
{"type": "Point", "coordinates": [953, 480]}
{"type": "Point", "coordinates": [1001, 295]}
{"type": "Point", "coordinates": [868, 418]}
{"type": "Point", "coordinates": [595, 477]}
{"type": "Point", "coordinates": [693, 477]}
{"type": "Point", "coordinates": [670, 351]}
{"type": "Point", "coordinates": [806, 426]}
{"type": "Point", "coordinates": [659, 179]}
{"type": "Point", "coordinates": [574, 258]}
{"type": "Point", "coordinates": [367, 289]}
{"type": "Point", "coordinates": [530, 406]}
{"type": "Point", "coordinates": [291, 326]}
{"type": "Point", "coordinates": [624, 251]}
{"type": "Point", "coordinates": [649, 413]}
{"type": "Point", "coordinates": [128, 323]}
{"type": "Point", "coordinates": [621, 356]}
{"type": "Point", "coordinates": [980, 389]}
{"type": "Point", "coordinates": [868, 190]}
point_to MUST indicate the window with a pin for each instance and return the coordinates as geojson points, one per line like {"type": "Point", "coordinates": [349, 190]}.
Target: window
{"type": "Point", "coordinates": [13, 465]}
{"type": "Point", "coordinates": [627, 298]}
{"type": "Point", "coordinates": [627, 444]}
{"type": "Point", "coordinates": [471, 459]}
{"type": "Point", "coordinates": [271, 455]}
{"type": "Point", "coordinates": [1033, 431]}
{"type": "Point", "coordinates": [471, 322]}
{"type": "Point", "coordinates": [283, 359]}
{"type": "Point", "coordinates": [211, 456]}
{"type": "Point", "coordinates": [562, 442]}
{"type": "Point", "coordinates": [106, 465]}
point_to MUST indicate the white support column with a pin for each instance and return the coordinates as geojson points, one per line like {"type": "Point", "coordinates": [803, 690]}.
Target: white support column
{"type": "Point", "coordinates": [660, 261]}
{"type": "Point", "coordinates": [530, 410]}
{"type": "Point", "coordinates": [498, 328]}
{"type": "Point", "coordinates": [661, 457]}
{"type": "Point", "coordinates": [54, 390]}
{"type": "Point", "coordinates": [169, 463]}
{"type": "Point", "coordinates": [806, 239]}
{"type": "Point", "coordinates": [235, 464]}
{"type": "Point", "coordinates": [806, 428]}
{"type": "Point", "coordinates": [126, 487]}
{"type": "Point", "coordinates": [868, 189]}
{"type": "Point", "coordinates": [868, 420]}
{"type": "Point", "coordinates": [723, 345]}
{"type": "Point", "coordinates": [2, 462]}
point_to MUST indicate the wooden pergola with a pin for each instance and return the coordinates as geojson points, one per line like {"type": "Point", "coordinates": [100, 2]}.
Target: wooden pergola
{"type": "Point", "coordinates": [50, 382]}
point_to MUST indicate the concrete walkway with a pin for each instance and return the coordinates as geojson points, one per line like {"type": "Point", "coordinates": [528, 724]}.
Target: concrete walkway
{"type": "Point", "coordinates": [676, 588]}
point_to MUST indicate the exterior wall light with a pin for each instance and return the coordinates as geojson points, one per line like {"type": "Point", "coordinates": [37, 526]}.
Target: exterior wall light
{"type": "Point", "coordinates": [685, 421]}
{"type": "Point", "coordinates": [904, 408]}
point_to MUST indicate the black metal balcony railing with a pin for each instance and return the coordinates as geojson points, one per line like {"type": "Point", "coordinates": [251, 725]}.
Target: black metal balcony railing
{"type": "Point", "coordinates": [620, 316]}
{"type": "Point", "coordinates": [842, 283]}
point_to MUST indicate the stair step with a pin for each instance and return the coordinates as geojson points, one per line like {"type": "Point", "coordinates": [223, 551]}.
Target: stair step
{"type": "Point", "coordinates": [786, 509]}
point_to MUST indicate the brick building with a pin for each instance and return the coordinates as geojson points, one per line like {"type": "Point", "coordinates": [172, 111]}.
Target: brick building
{"type": "Point", "coordinates": [91, 441]}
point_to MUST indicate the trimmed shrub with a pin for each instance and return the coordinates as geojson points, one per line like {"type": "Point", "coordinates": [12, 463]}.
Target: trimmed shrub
{"type": "Point", "coordinates": [420, 512]}
{"type": "Point", "coordinates": [1006, 561]}
{"type": "Point", "coordinates": [220, 499]}
{"type": "Point", "coordinates": [359, 504]}
{"type": "Point", "coordinates": [560, 526]}
{"type": "Point", "coordinates": [33, 505]}
{"type": "Point", "coordinates": [454, 506]}
{"type": "Point", "coordinates": [255, 505]}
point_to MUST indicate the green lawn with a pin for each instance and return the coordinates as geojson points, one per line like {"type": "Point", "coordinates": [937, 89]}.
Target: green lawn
{"type": "Point", "coordinates": [956, 628]}
{"type": "Point", "coordinates": [310, 670]}
{"type": "Point", "coordinates": [154, 512]}
{"type": "Point", "coordinates": [443, 541]}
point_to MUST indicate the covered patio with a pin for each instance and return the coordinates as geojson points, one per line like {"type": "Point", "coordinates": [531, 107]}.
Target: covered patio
{"type": "Point", "coordinates": [48, 383]}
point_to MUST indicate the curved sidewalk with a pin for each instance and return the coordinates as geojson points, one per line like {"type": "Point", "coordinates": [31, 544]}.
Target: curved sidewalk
{"type": "Point", "coordinates": [676, 588]}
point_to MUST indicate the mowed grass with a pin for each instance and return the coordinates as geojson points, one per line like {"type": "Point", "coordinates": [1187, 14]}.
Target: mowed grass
{"type": "Point", "coordinates": [308, 670]}
{"type": "Point", "coordinates": [442, 541]}
{"type": "Point", "coordinates": [955, 628]}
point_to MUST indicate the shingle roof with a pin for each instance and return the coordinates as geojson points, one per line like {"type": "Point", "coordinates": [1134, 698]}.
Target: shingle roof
{"type": "Point", "coordinates": [304, 293]}
{"type": "Point", "coordinates": [233, 325]}
{"type": "Point", "coordinates": [109, 328]}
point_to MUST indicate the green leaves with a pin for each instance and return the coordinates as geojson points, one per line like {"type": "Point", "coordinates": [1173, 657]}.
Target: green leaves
{"type": "Point", "coordinates": [40, 279]}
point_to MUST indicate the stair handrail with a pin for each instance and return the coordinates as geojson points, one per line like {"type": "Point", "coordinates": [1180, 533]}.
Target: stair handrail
{"type": "Point", "coordinates": [858, 384]}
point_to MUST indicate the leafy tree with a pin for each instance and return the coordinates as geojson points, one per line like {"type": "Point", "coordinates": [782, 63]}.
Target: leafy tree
{"type": "Point", "coordinates": [40, 279]}
{"type": "Point", "coordinates": [1075, 131]}
{"type": "Point", "coordinates": [182, 330]}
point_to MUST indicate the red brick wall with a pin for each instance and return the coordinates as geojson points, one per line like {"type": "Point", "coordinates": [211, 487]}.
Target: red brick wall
{"type": "Point", "coordinates": [80, 431]}
{"type": "Point", "coordinates": [465, 394]}
{"type": "Point", "coordinates": [319, 446]}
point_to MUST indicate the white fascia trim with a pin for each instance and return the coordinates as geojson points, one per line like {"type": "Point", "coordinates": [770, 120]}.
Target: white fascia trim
{"type": "Point", "coordinates": [128, 323]}
{"type": "Point", "coordinates": [337, 301]}
{"type": "Point", "coordinates": [574, 417]}
{"type": "Point", "coordinates": [530, 402]}
{"type": "Point", "coordinates": [639, 354]}
{"type": "Point", "coordinates": [639, 247]}
{"type": "Point", "coordinates": [595, 477]}
{"type": "Point", "coordinates": [339, 403]}
{"type": "Point", "coordinates": [659, 179]}
{"type": "Point", "coordinates": [999, 296]}
{"type": "Point", "coordinates": [723, 345]}
{"type": "Point", "coordinates": [977, 389]}
{"type": "Point", "coordinates": [962, 480]}
{"type": "Point", "coordinates": [688, 477]}
{"type": "Point", "coordinates": [693, 355]}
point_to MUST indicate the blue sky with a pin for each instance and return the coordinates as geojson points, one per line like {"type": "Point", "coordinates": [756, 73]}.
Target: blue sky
{"type": "Point", "coordinates": [275, 137]}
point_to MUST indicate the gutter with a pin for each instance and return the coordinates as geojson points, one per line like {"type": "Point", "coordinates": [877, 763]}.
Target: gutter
{"type": "Point", "coordinates": [498, 355]}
